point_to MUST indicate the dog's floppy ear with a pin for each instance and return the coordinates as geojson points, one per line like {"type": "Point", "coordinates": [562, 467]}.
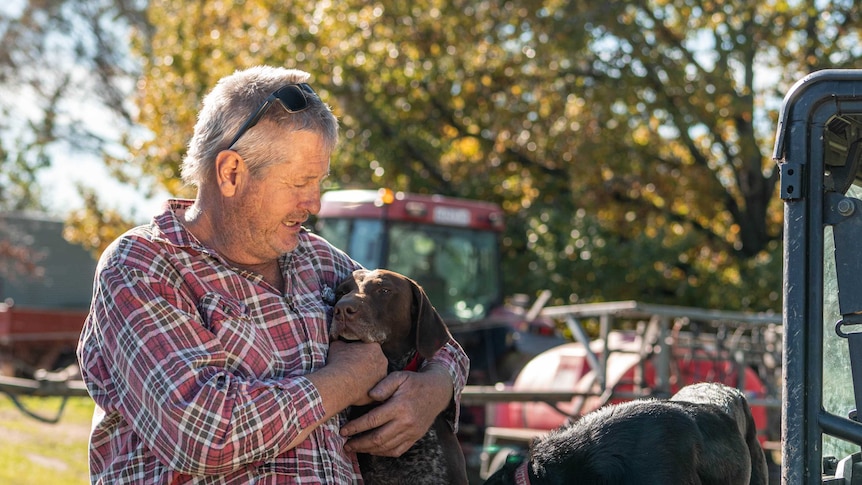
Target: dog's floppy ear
{"type": "Point", "coordinates": [431, 331]}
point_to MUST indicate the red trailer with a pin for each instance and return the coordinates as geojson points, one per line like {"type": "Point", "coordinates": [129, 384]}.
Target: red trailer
{"type": "Point", "coordinates": [641, 350]}
{"type": "Point", "coordinates": [32, 339]}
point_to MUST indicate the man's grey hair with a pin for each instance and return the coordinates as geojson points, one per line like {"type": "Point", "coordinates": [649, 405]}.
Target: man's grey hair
{"type": "Point", "coordinates": [231, 102]}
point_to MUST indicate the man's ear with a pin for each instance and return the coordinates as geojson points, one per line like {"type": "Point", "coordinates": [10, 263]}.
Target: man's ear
{"type": "Point", "coordinates": [229, 167]}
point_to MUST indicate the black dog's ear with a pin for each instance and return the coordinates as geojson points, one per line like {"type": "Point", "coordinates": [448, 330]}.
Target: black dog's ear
{"type": "Point", "coordinates": [431, 331]}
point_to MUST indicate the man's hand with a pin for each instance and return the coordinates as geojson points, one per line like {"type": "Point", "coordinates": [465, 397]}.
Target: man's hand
{"type": "Point", "coordinates": [411, 402]}
{"type": "Point", "coordinates": [351, 371]}
{"type": "Point", "coordinates": [362, 365]}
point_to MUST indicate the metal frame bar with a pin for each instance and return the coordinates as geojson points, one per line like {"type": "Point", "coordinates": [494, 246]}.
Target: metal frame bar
{"type": "Point", "coordinates": [800, 151]}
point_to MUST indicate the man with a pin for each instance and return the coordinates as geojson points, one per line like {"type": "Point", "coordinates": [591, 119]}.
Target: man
{"type": "Point", "coordinates": [207, 349]}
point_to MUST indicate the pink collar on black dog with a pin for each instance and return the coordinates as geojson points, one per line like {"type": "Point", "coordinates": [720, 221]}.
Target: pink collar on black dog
{"type": "Point", "coordinates": [522, 474]}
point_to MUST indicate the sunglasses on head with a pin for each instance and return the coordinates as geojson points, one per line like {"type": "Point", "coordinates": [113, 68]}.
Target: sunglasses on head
{"type": "Point", "coordinates": [292, 97]}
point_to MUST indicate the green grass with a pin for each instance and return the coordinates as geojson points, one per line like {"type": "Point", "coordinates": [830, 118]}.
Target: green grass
{"type": "Point", "coordinates": [37, 453]}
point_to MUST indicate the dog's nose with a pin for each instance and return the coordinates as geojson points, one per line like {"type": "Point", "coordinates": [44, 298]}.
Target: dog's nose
{"type": "Point", "coordinates": [344, 310]}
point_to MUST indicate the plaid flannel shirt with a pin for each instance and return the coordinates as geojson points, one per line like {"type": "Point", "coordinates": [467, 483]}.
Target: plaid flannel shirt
{"type": "Point", "coordinates": [197, 368]}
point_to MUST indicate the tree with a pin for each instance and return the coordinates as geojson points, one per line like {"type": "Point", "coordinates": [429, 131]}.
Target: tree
{"type": "Point", "coordinates": [63, 68]}
{"type": "Point", "coordinates": [628, 142]}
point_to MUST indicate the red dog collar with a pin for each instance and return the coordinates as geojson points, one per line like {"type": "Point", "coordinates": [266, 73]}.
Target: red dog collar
{"type": "Point", "coordinates": [522, 474]}
{"type": "Point", "coordinates": [415, 362]}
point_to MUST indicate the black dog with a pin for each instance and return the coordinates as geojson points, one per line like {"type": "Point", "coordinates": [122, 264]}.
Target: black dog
{"type": "Point", "coordinates": [704, 435]}
{"type": "Point", "coordinates": [391, 309]}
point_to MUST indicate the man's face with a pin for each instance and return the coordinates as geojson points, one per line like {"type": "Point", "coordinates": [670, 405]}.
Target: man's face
{"type": "Point", "coordinates": [263, 218]}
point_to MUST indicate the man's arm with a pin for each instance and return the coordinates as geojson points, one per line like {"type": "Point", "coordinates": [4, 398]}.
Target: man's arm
{"type": "Point", "coordinates": [345, 379]}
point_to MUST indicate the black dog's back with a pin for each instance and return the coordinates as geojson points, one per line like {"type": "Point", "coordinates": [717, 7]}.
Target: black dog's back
{"type": "Point", "coordinates": [731, 402]}
{"type": "Point", "coordinates": [705, 435]}
{"type": "Point", "coordinates": [635, 443]}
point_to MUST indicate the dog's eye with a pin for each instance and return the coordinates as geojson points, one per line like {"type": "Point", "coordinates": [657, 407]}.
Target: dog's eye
{"type": "Point", "coordinates": [384, 290]}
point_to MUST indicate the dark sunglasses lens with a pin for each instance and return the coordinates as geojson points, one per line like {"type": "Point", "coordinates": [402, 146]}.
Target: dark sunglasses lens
{"type": "Point", "coordinates": [292, 98]}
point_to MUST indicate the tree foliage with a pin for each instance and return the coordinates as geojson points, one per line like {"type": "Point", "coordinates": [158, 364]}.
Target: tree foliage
{"type": "Point", "coordinates": [628, 142]}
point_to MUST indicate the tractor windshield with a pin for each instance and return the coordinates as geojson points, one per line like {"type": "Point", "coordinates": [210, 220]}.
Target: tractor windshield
{"type": "Point", "coordinates": [457, 267]}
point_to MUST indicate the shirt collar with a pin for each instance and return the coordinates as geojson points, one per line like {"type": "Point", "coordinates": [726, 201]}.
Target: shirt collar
{"type": "Point", "coordinates": [168, 228]}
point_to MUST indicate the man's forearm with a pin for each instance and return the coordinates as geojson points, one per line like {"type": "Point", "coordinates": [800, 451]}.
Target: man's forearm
{"type": "Point", "coordinates": [453, 361]}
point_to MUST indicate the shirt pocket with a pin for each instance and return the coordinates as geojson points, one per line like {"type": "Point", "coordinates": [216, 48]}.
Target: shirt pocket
{"type": "Point", "coordinates": [217, 310]}
{"type": "Point", "coordinates": [247, 349]}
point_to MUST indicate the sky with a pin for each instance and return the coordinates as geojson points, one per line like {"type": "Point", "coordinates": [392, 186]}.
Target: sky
{"type": "Point", "coordinates": [59, 188]}
{"type": "Point", "coordinates": [73, 166]}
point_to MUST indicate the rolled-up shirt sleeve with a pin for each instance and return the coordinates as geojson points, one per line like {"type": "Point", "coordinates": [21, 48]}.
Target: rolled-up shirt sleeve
{"type": "Point", "coordinates": [453, 358]}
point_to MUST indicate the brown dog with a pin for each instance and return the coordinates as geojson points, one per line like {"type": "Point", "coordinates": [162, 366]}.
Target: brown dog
{"type": "Point", "coordinates": [386, 307]}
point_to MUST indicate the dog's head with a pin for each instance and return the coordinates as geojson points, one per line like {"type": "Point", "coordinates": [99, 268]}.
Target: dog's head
{"type": "Point", "coordinates": [388, 308]}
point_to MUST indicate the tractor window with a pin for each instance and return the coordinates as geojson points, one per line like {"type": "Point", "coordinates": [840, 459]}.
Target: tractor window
{"type": "Point", "coordinates": [360, 238]}
{"type": "Point", "coordinates": [456, 267]}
